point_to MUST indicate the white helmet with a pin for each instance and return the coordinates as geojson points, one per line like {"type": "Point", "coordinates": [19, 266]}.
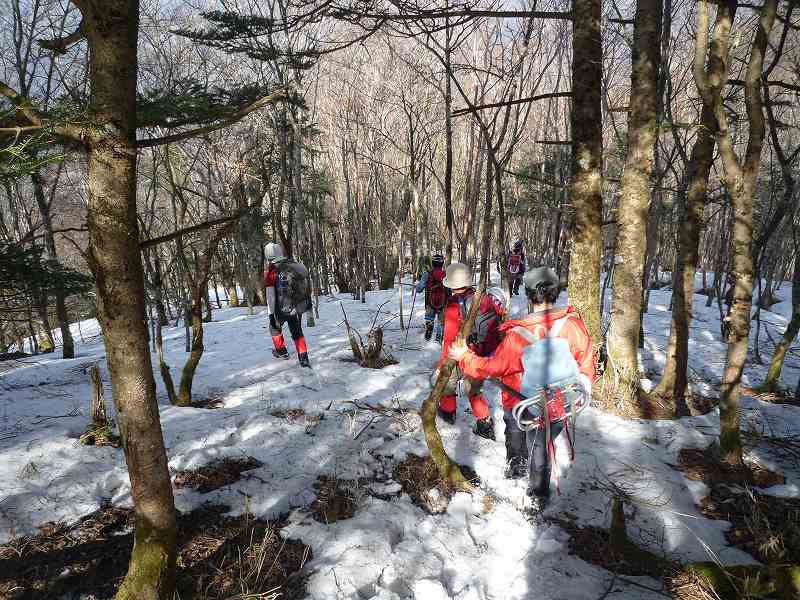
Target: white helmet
{"type": "Point", "coordinates": [500, 298]}
{"type": "Point", "coordinates": [274, 253]}
{"type": "Point", "coordinates": [457, 275]}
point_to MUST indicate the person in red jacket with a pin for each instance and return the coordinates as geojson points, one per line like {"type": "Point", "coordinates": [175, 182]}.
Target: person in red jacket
{"type": "Point", "coordinates": [526, 452]}
{"type": "Point", "coordinates": [483, 341]}
{"type": "Point", "coordinates": [276, 258]}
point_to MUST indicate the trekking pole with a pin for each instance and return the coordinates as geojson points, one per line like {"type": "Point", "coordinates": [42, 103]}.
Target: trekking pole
{"type": "Point", "coordinates": [410, 316]}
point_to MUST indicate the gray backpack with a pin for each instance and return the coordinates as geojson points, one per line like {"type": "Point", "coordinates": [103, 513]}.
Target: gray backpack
{"type": "Point", "coordinates": [292, 289]}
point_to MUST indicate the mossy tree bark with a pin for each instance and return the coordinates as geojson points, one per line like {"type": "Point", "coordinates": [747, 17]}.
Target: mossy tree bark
{"type": "Point", "coordinates": [586, 125]}
{"type": "Point", "coordinates": [776, 365]}
{"type": "Point", "coordinates": [740, 181]}
{"type": "Point", "coordinates": [197, 282]}
{"type": "Point", "coordinates": [671, 389]}
{"type": "Point", "coordinates": [622, 375]}
{"type": "Point", "coordinates": [448, 470]}
{"type": "Point", "coordinates": [111, 28]}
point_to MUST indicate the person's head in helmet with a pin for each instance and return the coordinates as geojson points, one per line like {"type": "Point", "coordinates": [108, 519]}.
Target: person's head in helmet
{"type": "Point", "coordinates": [273, 253]}
{"type": "Point", "coordinates": [542, 287]}
{"type": "Point", "coordinates": [500, 299]}
{"type": "Point", "coordinates": [437, 260]}
{"type": "Point", "coordinates": [519, 245]}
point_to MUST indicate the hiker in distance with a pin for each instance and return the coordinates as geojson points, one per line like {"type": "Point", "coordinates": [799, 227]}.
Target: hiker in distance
{"type": "Point", "coordinates": [483, 342]}
{"type": "Point", "coordinates": [544, 358]}
{"type": "Point", "coordinates": [436, 294]}
{"type": "Point", "coordinates": [288, 291]}
{"type": "Point", "coordinates": [516, 266]}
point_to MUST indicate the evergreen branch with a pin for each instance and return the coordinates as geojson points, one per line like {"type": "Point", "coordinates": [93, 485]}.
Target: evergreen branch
{"type": "Point", "coordinates": [234, 118]}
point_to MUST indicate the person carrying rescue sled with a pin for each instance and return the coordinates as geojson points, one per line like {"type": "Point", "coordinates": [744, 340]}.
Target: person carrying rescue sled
{"type": "Point", "coordinates": [545, 358]}
{"type": "Point", "coordinates": [516, 266]}
{"type": "Point", "coordinates": [436, 295]}
{"type": "Point", "coordinates": [483, 342]}
{"type": "Point", "coordinates": [288, 291]}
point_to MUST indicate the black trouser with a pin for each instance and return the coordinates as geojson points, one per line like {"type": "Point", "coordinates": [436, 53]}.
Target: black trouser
{"type": "Point", "coordinates": [516, 280]}
{"type": "Point", "coordinates": [531, 446]}
{"type": "Point", "coordinates": [295, 326]}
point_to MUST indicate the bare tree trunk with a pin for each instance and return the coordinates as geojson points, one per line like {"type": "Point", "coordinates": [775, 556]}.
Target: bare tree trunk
{"type": "Point", "coordinates": [634, 203]}
{"type": "Point", "coordinates": [113, 253]}
{"type": "Point", "coordinates": [671, 390]}
{"type": "Point", "coordinates": [776, 365]}
{"type": "Point", "coordinates": [196, 351]}
{"type": "Point", "coordinates": [740, 180]}
{"type": "Point", "coordinates": [62, 317]}
{"type": "Point", "coordinates": [586, 125]}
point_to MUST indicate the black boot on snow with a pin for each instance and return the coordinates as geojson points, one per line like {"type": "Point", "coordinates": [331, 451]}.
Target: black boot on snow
{"type": "Point", "coordinates": [484, 428]}
{"type": "Point", "coordinates": [517, 468]}
{"type": "Point", "coordinates": [428, 330]}
{"type": "Point", "coordinates": [281, 353]}
{"type": "Point", "coordinates": [303, 358]}
{"type": "Point", "coordinates": [447, 417]}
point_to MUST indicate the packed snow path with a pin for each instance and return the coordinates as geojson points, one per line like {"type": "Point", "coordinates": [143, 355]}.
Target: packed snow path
{"type": "Point", "coordinates": [391, 548]}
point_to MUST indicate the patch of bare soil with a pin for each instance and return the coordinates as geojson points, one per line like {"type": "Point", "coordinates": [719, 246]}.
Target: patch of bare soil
{"type": "Point", "coordinates": [335, 499]}
{"type": "Point", "coordinates": [773, 397]}
{"type": "Point", "coordinates": [419, 478]}
{"type": "Point", "coordinates": [216, 474]}
{"type": "Point", "coordinates": [218, 558]}
{"type": "Point", "coordinates": [703, 465]}
{"type": "Point", "coordinates": [766, 527]}
{"type": "Point", "coordinates": [211, 402]}
{"type": "Point", "coordinates": [593, 545]}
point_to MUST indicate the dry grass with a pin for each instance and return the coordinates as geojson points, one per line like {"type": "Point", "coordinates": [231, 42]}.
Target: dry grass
{"type": "Point", "coordinates": [778, 396]}
{"type": "Point", "coordinates": [593, 545]}
{"type": "Point", "coordinates": [420, 479]}
{"type": "Point", "coordinates": [766, 527]}
{"type": "Point", "coordinates": [703, 465]}
{"type": "Point", "coordinates": [216, 474]}
{"type": "Point", "coordinates": [219, 558]}
{"type": "Point", "coordinates": [336, 499]}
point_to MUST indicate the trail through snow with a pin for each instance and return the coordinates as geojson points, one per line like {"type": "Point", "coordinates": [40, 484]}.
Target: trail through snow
{"type": "Point", "coordinates": [391, 548]}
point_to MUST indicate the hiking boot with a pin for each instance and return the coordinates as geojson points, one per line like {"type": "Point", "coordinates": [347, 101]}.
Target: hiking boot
{"type": "Point", "coordinates": [439, 338]}
{"type": "Point", "coordinates": [447, 417]}
{"type": "Point", "coordinates": [538, 504]}
{"type": "Point", "coordinates": [281, 353]}
{"type": "Point", "coordinates": [303, 358]}
{"type": "Point", "coordinates": [517, 468]}
{"type": "Point", "coordinates": [428, 330]}
{"type": "Point", "coordinates": [484, 428]}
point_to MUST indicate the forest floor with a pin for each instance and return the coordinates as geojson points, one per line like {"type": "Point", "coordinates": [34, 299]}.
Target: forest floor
{"type": "Point", "coordinates": [321, 474]}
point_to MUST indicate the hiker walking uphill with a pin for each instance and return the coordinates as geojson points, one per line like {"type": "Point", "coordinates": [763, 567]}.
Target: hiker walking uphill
{"type": "Point", "coordinates": [516, 266]}
{"type": "Point", "coordinates": [288, 292]}
{"type": "Point", "coordinates": [545, 359]}
{"type": "Point", "coordinates": [483, 342]}
{"type": "Point", "coordinates": [436, 294]}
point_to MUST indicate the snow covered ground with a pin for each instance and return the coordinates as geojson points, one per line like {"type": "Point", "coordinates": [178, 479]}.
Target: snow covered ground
{"type": "Point", "coordinates": [391, 548]}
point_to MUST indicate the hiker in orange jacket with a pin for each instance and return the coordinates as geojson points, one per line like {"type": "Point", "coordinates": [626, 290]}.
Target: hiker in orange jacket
{"type": "Point", "coordinates": [483, 342]}
{"type": "Point", "coordinates": [526, 451]}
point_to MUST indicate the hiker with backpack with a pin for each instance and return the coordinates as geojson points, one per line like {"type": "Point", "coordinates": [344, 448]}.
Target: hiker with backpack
{"type": "Point", "coordinates": [482, 342]}
{"type": "Point", "coordinates": [436, 294]}
{"type": "Point", "coordinates": [516, 265]}
{"type": "Point", "coordinates": [545, 365]}
{"type": "Point", "coordinates": [288, 291]}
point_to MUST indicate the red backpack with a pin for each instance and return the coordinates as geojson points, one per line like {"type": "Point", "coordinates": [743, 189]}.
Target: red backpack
{"type": "Point", "coordinates": [436, 293]}
{"type": "Point", "coordinates": [515, 263]}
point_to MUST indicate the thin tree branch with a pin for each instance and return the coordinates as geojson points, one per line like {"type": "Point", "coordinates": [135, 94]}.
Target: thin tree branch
{"type": "Point", "coordinates": [61, 45]}
{"type": "Point", "coordinates": [472, 109]}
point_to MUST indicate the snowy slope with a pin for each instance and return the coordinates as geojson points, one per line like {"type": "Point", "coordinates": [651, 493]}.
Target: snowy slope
{"type": "Point", "coordinates": [391, 549]}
